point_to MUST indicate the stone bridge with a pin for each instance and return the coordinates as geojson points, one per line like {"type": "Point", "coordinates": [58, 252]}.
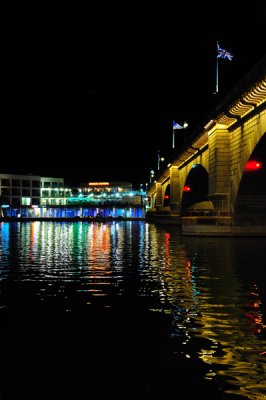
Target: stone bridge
{"type": "Point", "coordinates": [217, 184]}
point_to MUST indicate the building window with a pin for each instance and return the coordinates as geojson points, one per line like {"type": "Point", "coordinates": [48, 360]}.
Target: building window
{"type": "Point", "coordinates": [5, 200]}
{"type": "Point", "coordinates": [36, 192]}
{"type": "Point", "coordinates": [36, 184]}
{"type": "Point", "coordinates": [36, 201]}
{"type": "Point", "coordinates": [5, 182]}
{"type": "Point", "coordinates": [5, 192]}
{"type": "Point", "coordinates": [15, 201]}
{"type": "Point", "coordinates": [25, 201]}
{"type": "Point", "coordinates": [25, 183]}
{"type": "Point", "coordinates": [15, 182]}
{"type": "Point", "coordinates": [15, 192]}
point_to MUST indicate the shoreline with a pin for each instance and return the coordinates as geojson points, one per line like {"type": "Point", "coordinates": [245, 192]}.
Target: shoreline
{"type": "Point", "coordinates": [69, 219]}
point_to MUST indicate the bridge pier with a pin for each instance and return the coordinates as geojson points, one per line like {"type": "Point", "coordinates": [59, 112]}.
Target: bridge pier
{"type": "Point", "coordinates": [175, 191]}
{"type": "Point", "coordinates": [219, 168]}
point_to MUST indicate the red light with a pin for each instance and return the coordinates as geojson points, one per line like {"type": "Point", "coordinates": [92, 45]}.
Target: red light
{"type": "Point", "coordinates": [186, 189]}
{"type": "Point", "coordinates": [253, 165]}
{"type": "Point", "coordinates": [166, 197]}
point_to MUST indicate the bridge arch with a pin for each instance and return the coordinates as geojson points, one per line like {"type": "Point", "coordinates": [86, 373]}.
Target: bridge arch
{"type": "Point", "coordinates": [166, 195]}
{"type": "Point", "coordinates": [250, 204]}
{"type": "Point", "coordinates": [196, 188]}
{"type": "Point", "coordinates": [245, 143]}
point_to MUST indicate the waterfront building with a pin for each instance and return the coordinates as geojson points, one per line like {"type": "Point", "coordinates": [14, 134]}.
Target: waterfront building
{"type": "Point", "coordinates": [28, 196]}
{"type": "Point", "coordinates": [107, 194]}
{"type": "Point", "coordinates": [54, 192]}
{"type": "Point", "coordinates": [20, 190]}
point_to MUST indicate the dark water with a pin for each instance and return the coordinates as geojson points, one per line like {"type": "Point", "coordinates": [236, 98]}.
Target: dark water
{"type": "Point", "coordinates": [130, 310]}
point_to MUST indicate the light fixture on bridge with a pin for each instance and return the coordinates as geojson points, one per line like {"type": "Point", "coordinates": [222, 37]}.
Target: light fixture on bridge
{"type": "Point", "coordinates": [152, 173]}
{"type": "Point", "coordinates": [253, 165]}
{"type": "Point", "coordinates": [185, 125]}
{"type": "Point", "coordinates": [209, 124]}
{"type": "Point", "coordinates": [160, 159]}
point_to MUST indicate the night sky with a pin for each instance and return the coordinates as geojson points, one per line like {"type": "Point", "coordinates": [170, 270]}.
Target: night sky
{"type": "Point", "coordinates": [89, 91]}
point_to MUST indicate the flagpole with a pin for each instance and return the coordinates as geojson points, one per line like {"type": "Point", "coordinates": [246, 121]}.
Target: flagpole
{"type": "Point", "coordinates": [221, 53]}
{"type": "Point", "coordinates": [173, 138]}
{"type": "Point", "coordinates": [217, 69]}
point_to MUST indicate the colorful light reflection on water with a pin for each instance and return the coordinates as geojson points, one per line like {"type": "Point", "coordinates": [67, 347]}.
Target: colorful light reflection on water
{"type": "Point", "coordinates": [189, 312]}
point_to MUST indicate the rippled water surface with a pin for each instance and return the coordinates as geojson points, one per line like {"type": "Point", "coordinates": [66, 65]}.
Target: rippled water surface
{"type": "Point", "coordinates": [130, 310]}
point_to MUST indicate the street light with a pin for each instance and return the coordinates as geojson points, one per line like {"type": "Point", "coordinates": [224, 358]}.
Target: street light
{"type": "Point", "coordinates": [151, 175]}
{"type": "Point", "coordinates": [185, 125]}
{"type": "Point", "coordinates": [159, 159]}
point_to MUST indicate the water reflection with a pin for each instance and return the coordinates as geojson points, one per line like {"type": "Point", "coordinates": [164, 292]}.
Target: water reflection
{"type": "Point", "coordinates": [231, 316]}
{"type": "Point", "coordinates": [211, 290]}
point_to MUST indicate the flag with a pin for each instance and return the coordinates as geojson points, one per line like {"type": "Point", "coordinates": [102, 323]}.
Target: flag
{"type": "Point", "coordinates": [177, 126]}
{"type": "Point", "coordinates": [222, 53]}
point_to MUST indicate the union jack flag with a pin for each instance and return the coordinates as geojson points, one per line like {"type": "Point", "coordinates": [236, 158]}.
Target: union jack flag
{"type": "Point", "coordinates": [222, 53]}
{"type": "Point", "coordinates": [176, 125]}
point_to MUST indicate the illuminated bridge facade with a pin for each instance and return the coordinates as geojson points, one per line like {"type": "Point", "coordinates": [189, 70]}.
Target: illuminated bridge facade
{"type": "Point", "coordinates": [217, 184]}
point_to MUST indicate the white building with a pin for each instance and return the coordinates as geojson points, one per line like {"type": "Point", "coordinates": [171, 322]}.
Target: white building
{"type": "Point", "coordinates": [27, 190]}
{"type": "Point", "coordinates": [30, 190]}
{"type": "Point", "coordinates": [53, 191]}
{"type": "Point", "coordinates": [16, 190]}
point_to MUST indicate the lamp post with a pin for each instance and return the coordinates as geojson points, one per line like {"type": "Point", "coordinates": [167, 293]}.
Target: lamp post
{"type": "Point", "coordinates": [151, 175]}
{"type": "Point", "coordinates": [159, 159]}
{"type": "Point", "coordinates": [185, 125]}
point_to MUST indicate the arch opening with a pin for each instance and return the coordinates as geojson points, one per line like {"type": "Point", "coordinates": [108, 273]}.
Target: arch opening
{"type": "Point", "coordinates": [166, 197]}
{"type": "Point", "coordinates": [250, 206]}
{"type": "Point", "coordinates": [195, 191]}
